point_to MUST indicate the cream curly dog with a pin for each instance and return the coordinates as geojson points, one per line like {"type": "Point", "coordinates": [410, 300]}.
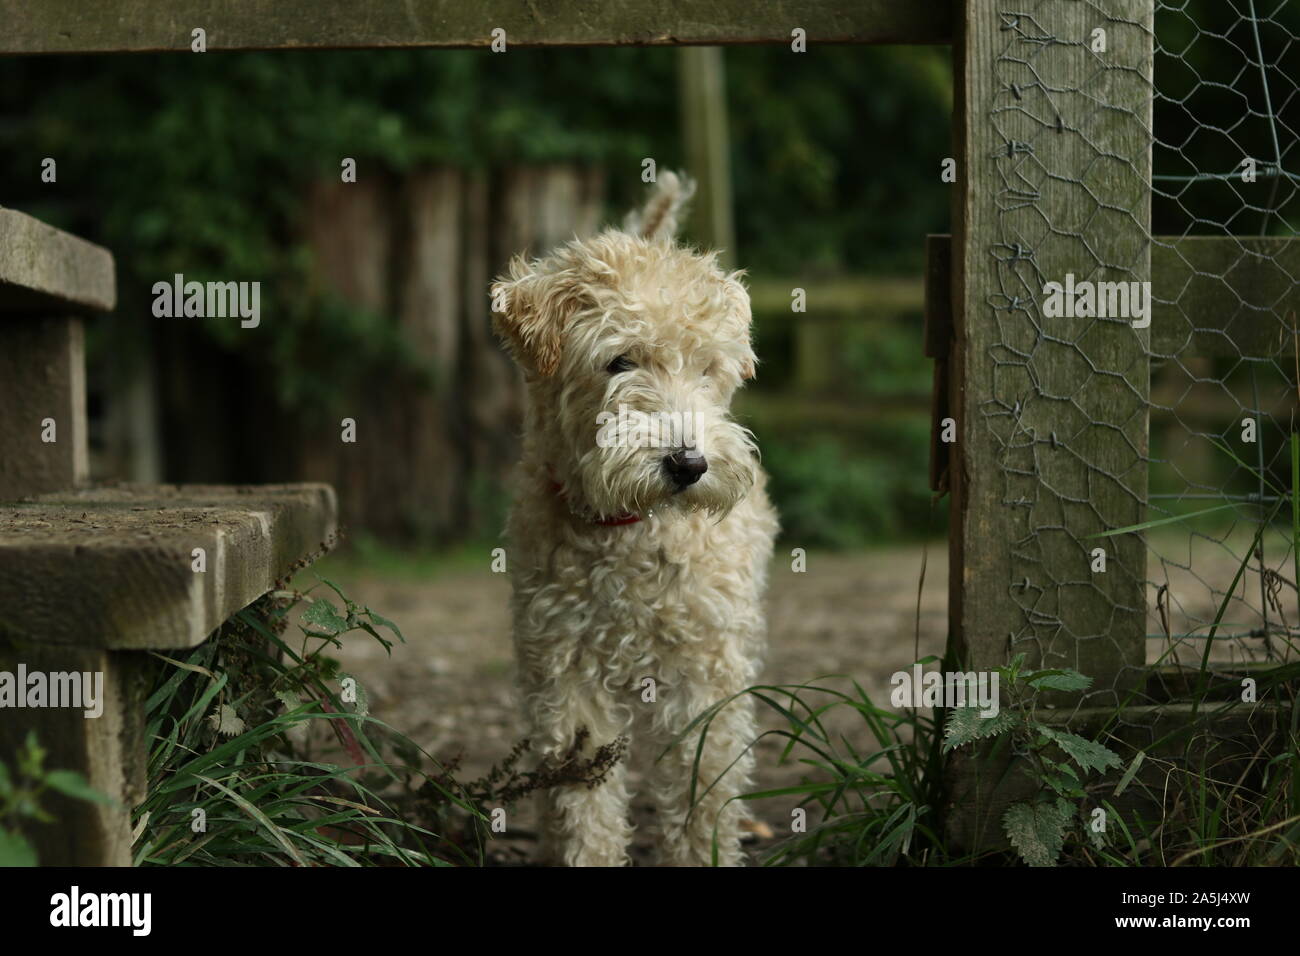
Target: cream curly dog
{"type": "Point", "coordinates": [641, 532]}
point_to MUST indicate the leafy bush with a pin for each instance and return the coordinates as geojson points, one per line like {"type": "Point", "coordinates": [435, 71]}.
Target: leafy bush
{"type": "Point", "coordinates": [836, 494]}
{"type": "Point", "coordinates": [878, 807]}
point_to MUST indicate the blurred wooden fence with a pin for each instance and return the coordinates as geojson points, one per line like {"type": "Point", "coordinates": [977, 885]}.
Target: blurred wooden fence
{"type": "Point", "coordinates": [851, 368]}
{"type": "Point", "coordinates": [418, 251]}
{"type": "Point", "coordinates": [437, 435]}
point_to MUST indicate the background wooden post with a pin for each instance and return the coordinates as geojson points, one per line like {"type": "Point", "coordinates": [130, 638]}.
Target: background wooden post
{"type": "Point", "coordinates": [45, 277]}
{"type": "Point", "coordinates": [1053, 144]}
{"type": "Point", "coordinates": [708, 151]}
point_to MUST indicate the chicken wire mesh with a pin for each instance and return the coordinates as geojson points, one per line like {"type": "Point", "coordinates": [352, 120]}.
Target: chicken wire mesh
{"type": "Point", "coordinates": [1223, 376]}
{"type": "Point", "coordinates": [1208, 448]}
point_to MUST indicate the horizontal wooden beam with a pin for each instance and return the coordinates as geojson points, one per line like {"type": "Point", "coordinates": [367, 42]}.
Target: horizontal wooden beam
{"type": "Point", "coordinates": [1212, 296]}
{"type": "Point", "coordinates": [805, 413]}
{"type": "Point", "coordinates": [837, 298]}
{"type": "Point", "coordinates": [113, 26]}
{"type": "Point", "coordinates": [46, 269]}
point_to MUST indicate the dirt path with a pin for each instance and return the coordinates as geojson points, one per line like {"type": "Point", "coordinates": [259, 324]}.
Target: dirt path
{"type": "Point", "coordinates": [450, 686]}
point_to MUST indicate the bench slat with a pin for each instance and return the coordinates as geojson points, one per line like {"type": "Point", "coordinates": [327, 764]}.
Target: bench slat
{"type": "Point", "coordinates": [112, 567]}
{"type": "Point", "coordinates": [46, 269]}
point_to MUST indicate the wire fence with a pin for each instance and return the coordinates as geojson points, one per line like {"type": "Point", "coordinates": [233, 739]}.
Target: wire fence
{"type": "Point", "coordinates": [1223, 379]}
{"type": "Point", "coordinates": [1196, 420]}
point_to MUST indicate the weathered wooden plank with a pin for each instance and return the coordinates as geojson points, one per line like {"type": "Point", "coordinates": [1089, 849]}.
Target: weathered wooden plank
{"type": "Point", "coordinates": [114, 567]}
{"type": "Point", "coordinates": [429, 312]}
{"type": "Point", "coordinates": [836, 298]}
{"type": "Point", "coordinates": [84, 575]}
{"type": "Point", "coordinates": [1212, 296]}
{"type": "Point", "coordinates": [43, 268]}
{"type": "Point", "coordinates": [107, 26]}
{"type": "Point", "coordinates": [43, 434]}
{"type": "Point", "coordinates": [1053, 167]}
{"type": "Point", "coordinates": [938, 296]}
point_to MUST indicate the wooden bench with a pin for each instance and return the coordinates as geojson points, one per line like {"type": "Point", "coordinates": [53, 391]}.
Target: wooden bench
{"type": "Point", "coordinates": [92, 578]}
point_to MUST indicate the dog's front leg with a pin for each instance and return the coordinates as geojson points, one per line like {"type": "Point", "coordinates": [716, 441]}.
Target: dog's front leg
{"type": "Point", "coordinates": [583, 823]}
{"type": "Point", "coordinates": [587, 826]}
{"type": "Point", "coordinates": [688, 826]}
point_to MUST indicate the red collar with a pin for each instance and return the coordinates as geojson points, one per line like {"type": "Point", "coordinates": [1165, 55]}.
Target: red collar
{"type": "Point", "coordinates": [617, 521]}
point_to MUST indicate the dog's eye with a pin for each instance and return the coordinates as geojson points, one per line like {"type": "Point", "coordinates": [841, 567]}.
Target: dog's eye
{"type": "Point", "coordinates": [620, 364]}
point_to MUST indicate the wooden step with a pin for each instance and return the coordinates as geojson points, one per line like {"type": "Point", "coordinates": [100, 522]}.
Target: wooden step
{"type": "Point", "coordinates": [113, 567]}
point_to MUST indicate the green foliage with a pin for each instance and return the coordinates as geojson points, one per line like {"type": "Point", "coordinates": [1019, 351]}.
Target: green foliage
{"type": "Point", "coordinates": [21, 790]}
{"type": "Point", "coordinates": [814, 183]}
{"type": "Point", "coordinates": [1037, 828]}
{"type": "Point", "coordinates": [263, 753]}
{"type": "Point", "coordinates": [1067, 680]}
{"type": "Point", "coordinates": [1088, 754]}
{"type": "Point", "coordinates": [966, 725]}
{"type": "Point", "coordinates": [840, 494]}
{"type": "Point", "coordinates": [1212, 114]}
{"type": "Point", "coordinates": [200, 165]}
{"type": "Point", "coordinates": [875, 806]}
{"type": "Point", "coordinates": [880, 804]}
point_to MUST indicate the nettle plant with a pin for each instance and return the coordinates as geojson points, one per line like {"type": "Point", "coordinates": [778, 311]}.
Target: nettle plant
{"type": "Point", "coordinates": [1058, 761]}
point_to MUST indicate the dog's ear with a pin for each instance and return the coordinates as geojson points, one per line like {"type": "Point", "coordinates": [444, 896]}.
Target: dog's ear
{"type": "Point", "coordinates": [530, 307]}
{"type": "Point", "coordinates": [738, 299]}
{"type": "Point", "coordinates": [657, 219]}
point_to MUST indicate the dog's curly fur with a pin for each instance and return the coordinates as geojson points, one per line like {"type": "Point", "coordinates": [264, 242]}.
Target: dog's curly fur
{"type": "Point", "coordinates": [603, 600]}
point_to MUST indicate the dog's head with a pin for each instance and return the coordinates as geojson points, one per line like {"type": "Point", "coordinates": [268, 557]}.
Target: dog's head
{"type": "Point", "coordinates": [632, 347]}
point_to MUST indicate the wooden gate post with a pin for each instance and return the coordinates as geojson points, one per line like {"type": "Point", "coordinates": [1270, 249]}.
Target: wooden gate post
{"type": "Point", "coordinates": [1052, 127]}
{"type": "Point", "coordinates": [1055, 181]}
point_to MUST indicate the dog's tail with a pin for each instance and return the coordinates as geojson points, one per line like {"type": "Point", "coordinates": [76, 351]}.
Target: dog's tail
{"type": "Point", "coordinates": [657, 219]}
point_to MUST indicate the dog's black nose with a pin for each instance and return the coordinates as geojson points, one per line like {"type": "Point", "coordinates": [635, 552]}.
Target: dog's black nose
{"type": "Point", "coordinates": [685, 467]}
